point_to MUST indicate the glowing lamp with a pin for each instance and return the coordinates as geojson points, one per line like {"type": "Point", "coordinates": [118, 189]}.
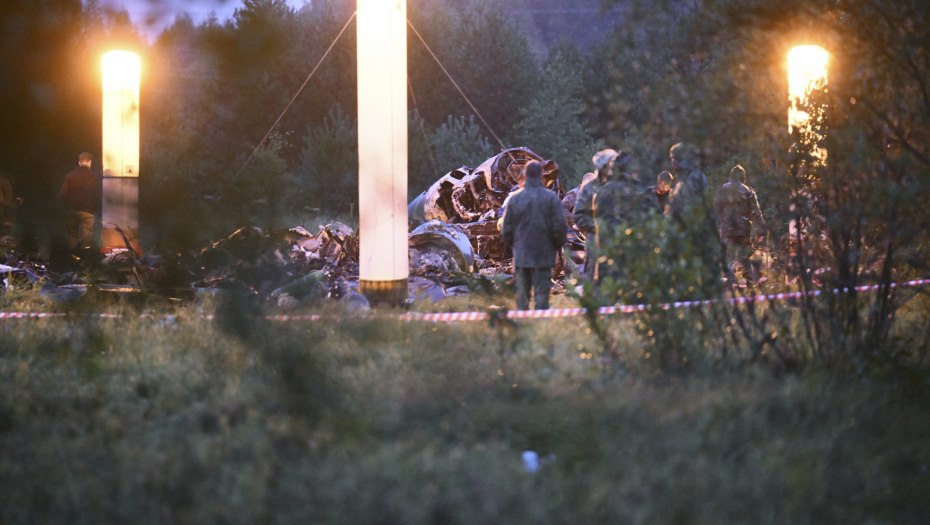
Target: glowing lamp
{"type": "Point", "coordinates": [382, 149]}
{"type": "Point", "coordinates": [807, 72]}
{"type": "Point", "coordinates": [120, 150]}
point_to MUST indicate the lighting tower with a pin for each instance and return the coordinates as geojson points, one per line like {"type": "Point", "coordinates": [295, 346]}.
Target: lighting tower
{"type": "Point", "coordinates": [382, 150]}
{"type": "Point", "coordinates": [120, 150]}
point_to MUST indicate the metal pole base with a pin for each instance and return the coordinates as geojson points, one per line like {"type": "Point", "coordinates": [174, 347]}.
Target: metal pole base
{"type": "Point", "coordinates": [393, 293]}
{"type": "Point", "coordinates": [111, 239]}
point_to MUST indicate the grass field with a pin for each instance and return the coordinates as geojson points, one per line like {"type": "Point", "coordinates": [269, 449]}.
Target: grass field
{"type": "Point", "coordinates": [374, 421]}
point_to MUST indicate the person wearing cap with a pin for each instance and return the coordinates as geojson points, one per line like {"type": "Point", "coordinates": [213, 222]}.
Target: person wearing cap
{"type": "Point", "coordinates": [81, 194]}
{"type": "Point", "coordinates": [660, 193]}
{"type": "Point", "coordinates": [737, 208]}
{"type": "Point", "coordinates": [535, 226]}
{"type": "Point", "coordinates": [583, 213]}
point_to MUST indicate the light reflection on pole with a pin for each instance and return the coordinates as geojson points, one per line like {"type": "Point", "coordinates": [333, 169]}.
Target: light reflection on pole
{"type": "Point", "coordinates": [382, 150]}
{"type": "Point", "coordinates": [120, 150]}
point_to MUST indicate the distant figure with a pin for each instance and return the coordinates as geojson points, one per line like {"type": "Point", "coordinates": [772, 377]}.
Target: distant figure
{"type": "Point", "coordinates": [535, 226]}
{"type": "Point", "coordinates": [7, 208]}
{"type": "Point", "coordinates": [570, 198]}
{"type": "Point", "coordinates": [583, 214]}
{"type": "Point", "coordinates": [685, 163]}
{"type": "Point", "coordinates": [521, 179]}
{"type": "Point", "coordinates": [622, 199]}
{"type": "Point", "coordinates": [660, 193]}
{"type": "Point", "coordinates": [737, 207]}
{"type": "Point", "coordinates": [81, 194]}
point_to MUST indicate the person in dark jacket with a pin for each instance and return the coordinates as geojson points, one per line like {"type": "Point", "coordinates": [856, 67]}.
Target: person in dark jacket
{"type": "Point", "coordinates": [7, 204]}
{"type": "Point", "coordinates": [660, 193]}
{"type": "Point", "coordinates": [81, 194]}
{"type": "Point", "coordinates": [535, 226]}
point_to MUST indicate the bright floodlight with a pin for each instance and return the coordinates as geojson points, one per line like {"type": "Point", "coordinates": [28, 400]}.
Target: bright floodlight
{"type": "Point", "coordinates": [382, 149]}
{"type": "Point", "coordinates": [807, 72]}
{"type": "Point", "coordinates": [120, 149]}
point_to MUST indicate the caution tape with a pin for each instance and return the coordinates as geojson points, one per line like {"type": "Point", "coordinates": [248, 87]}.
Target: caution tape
{"type": "Point", "coordinates": [624, 309]}
{"type": "Point", "coordinates": [453, 317]}
{"type": "Point", "coordinates": [45, 315]}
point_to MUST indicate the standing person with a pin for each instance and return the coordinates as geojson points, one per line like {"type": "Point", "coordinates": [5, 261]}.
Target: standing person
{"type": "Point", "coordinates": [570, 198]}
{"type": "Point", "coordinates": [521, 179]}
{"type": "Point", "coordinates": [7, 207]}
{"type": "Point", "coordinates": [660, 193]}
{"type": "Point", "coordinates": [738, 209]}
{"type": "Point", "coordinates": [535, 226]}
{"type": "Point", "coordinates": [684, 160]}
{"type": "Point", "coordinates": [583, 214]}
{"type": "Point", "coordinates": [81, 194]}
{"type": "Point", "coordinates": [622, 199]}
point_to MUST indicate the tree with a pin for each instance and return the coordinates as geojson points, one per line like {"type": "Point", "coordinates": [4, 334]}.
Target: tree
{"type": "Point", "coordinates": [713, 76]}
{"type": "Point", "coordinates": [328, 169]}
{"type": "Point", "coordinates": [552, 124]}
{"type": "Point", "coordinates": [484, 51]}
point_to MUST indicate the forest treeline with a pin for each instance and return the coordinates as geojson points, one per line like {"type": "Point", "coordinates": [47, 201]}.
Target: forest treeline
{"type": "Point", "coordinates": [708, 72]}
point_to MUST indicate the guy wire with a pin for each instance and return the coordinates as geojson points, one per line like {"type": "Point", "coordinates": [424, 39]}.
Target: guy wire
{"type": "Point", "coordinates": [276, 122]}
{"type": "Point", "coordinates": [454, 83]}
{"type": "Point", "coordinates": [422, 129]}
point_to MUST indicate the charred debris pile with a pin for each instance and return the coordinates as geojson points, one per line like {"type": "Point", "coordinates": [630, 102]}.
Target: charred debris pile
{"type": "Point", "coordinates": [454, 242]}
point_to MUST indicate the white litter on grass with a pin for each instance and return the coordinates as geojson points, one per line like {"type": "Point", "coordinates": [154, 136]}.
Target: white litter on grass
{"type": "Point", "coordinates": [530, 461]}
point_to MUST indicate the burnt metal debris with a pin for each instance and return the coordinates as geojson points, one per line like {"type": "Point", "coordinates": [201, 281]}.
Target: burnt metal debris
{"type": "Point", "coordinates": [454, 248]}
{"type": "Point", "coordinates": [475, 195]}
{"type": "Point", "coordinates": [470, 200]}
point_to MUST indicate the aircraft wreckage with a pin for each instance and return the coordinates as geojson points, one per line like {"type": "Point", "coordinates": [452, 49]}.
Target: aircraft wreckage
{"type": "Point", "coordinates": [454, 248]}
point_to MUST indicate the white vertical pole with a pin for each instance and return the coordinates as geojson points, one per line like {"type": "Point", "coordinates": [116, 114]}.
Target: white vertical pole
{"type": "Point", "coordinates": [382, 149]}
{"type": "Point", "coordinates": [120, 150]}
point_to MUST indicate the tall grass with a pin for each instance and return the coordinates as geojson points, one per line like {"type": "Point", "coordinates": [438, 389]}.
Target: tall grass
{"type": "Point", "coordinates": [368, 420]}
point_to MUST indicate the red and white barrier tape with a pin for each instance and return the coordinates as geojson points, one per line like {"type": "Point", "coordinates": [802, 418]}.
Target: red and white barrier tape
{"type": "Point", "coordinates": [453, 317]}
{"type": "Point", "coordinates": [624, 309]}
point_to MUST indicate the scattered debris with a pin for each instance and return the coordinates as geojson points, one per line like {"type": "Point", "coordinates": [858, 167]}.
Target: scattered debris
{"type": "Point", "coordinates": [454, 248]}
{"type": "Point", "coordinates": [437, 247]}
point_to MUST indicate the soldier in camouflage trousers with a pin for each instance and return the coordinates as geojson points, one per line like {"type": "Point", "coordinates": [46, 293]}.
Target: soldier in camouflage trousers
{"type": "Point", "coordinates": [623, 199]}
{"type": "Point", "coordinates": [738, 211]}
{"type": "Point", "coordinates": [583, 214]}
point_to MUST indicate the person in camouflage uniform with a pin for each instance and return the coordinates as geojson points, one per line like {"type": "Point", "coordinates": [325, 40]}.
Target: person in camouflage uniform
{"type": "Point", "coordinates": [583, 214]}
{"type": "Point", "coordinates": [535, 226]}
{"type": "Point", "coordinates": [689, 191]}
{"type": "Point", "coordinates": [571, 198]}
{"type": "Point", "coordinates": [623, 199]}
{"type": "Point", "coordinates": [738, 210]}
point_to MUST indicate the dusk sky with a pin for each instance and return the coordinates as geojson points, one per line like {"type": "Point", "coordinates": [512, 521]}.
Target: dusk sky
{"type": "Point", "coordinates": [152, 16]}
